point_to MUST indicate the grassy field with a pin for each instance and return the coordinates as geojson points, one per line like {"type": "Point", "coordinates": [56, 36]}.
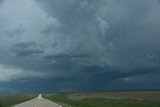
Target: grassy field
{"type": "Point", "coordinates": [103, 99]}
{"type": "Point", "coordinates": [9, 101]}
{"type": "Point", "coordinates": [110, 99]}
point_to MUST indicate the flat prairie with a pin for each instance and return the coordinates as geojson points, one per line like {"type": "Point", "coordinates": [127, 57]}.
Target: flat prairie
{"type": "Point", "coordinates": [137, 95]}
{"type": "Point", "coordinates": [107, 99]}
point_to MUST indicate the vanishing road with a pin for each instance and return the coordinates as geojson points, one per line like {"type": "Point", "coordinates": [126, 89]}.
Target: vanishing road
{"type": "Point", "coordinates": [38, 102]}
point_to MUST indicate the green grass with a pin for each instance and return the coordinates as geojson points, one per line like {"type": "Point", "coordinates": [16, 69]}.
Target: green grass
{"type": "Point", "coordinates": [65, 101]}
{"type": "Point", "coordinates": [101, 102]}
{"type": "Point", "coordinates": [9, 101]}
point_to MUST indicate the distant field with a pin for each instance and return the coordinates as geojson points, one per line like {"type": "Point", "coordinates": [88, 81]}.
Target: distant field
{"type": "Point", "coordinates": [107, 99]}
{"type": "Point", "coordinates": [9, 101]}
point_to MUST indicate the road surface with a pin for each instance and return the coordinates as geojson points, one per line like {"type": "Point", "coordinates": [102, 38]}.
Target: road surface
{"type": "Point", "coordinates": [38, 102]}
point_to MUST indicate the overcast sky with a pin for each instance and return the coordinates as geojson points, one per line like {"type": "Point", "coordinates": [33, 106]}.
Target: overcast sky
{"type": "Point", "coordinates": [79, 45]}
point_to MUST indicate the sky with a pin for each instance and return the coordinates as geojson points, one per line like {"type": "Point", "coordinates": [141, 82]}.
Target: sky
{"type": "Point", "coordinates": [79, 45]}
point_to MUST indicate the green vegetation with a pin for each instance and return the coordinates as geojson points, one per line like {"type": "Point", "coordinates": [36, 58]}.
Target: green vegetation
{"type": "Point", "coordinates": [9, 101]}
{"type": "Point", "coordinates": [120, 99]}
{"type": "Point", "coordinates": [100, 102]}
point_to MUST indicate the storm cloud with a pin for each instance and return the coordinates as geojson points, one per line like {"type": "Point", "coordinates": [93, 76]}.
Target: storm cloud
{"type": "Point", "coordinates": [80, 44]}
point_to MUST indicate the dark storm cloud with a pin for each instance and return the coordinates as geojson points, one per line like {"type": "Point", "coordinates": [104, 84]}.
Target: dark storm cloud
{"type": "Point", "coordinates": [25, 45]}
{"type": "Point", "coordinates": [111, 40]}
{"type": "Point", "coordinates": [67, 56]}
{"type": "Point", "coordinates": [90, 43]}
{"type": "Point", "coordinates": [17, 31]}
{"type": "Point", "coordinates": [26, 49]}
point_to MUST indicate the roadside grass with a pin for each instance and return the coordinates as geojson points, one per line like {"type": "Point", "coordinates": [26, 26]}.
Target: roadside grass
{"type": "Point", "coordinates": [63, 98]}
{"type": "Point", "coordinates": [9, 101]}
